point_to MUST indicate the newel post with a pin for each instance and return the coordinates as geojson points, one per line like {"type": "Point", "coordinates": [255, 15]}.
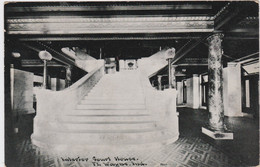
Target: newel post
{"type": "Point", "coordinates": [45, 56]}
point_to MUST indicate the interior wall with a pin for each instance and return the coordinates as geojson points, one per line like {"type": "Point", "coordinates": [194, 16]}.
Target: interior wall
{"type": "Point", "coordinates": [180, 93]}
{"type": "Point", "coordinates": [196, 91]}
{"type": "Point", "coordinates": [22, 92]}
{"type": "Point", "coordinates": [193, 95]}
{"type": "Point", "coordinates": [232, 90]}
{"type": "Point", "coordinates": [57, 84]}
{"type": "Point", "coordinates": [189, 88]}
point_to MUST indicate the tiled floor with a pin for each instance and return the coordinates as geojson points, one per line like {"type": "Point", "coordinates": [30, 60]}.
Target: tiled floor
{"type": "Point", "coordinates": [191, 149]}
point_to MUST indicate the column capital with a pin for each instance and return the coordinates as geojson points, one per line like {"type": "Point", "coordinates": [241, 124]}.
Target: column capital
{"type": "Point", "coordinates": [215, 37]}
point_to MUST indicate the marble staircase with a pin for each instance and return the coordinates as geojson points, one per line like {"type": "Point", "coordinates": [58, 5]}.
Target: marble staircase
{"type": "Point", "coordinates": [114, 112]}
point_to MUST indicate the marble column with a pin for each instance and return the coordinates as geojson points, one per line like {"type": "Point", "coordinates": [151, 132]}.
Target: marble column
{"type": "Point", "coordinates": [216, 128]}
{"type": "Point", "coordinates": [159, 82]}
{"type": "Point", "coordinates": [215, 92]}
{"type": "Point", "coordinates": [173, 77]}
{"type": "Point", "coordinates": [12, 85]}
{"type": "Point", "coordinates": [68, 76]}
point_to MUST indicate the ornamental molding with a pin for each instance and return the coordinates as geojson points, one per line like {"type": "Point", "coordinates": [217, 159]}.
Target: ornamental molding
{"type": "Point", "coordinates": [107, 7]}
{"type": "Point", "coordinates": [103, 38]}
{"type": "Point", "coordinates": [117, 25]}
{"type": "Point", "coordinates": [108, 25]}
{"type": "Point", "coordinates": [63, 19]}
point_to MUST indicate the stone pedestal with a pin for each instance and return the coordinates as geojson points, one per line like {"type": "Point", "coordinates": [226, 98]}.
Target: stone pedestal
{"type": "Point", "coordinates": [216, 127]}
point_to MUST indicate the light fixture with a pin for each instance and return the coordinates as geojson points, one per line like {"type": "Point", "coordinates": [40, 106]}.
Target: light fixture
{"type": "Point", "coordinates": [44, 55]}
{"type": "Point", "coordinates": [16, 54]}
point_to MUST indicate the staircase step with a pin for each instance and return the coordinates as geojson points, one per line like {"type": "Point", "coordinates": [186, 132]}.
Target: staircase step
{"type": "Point", "coordinates": [109, 112]}
{"type": "Point", "coordinates": [117, 90]}
{"type": "Point", "coordinates": [111, 101]}
{"type": "Point", "coordinates": [102, 137]}
{"type": "Point", "coordinates": [100, 118]}
{"type": "Point", "coordinates": [111, 106]}
{"type": "Point", "coordinates": [118, 98]}
{"type": "Point", "coordinates": [118, 95]}
{"type": "Point", "coordinates": [100, 126]}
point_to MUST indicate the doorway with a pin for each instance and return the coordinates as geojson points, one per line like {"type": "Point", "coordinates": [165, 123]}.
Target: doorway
{"type": "Point", "coordinates": [250, 98]}
{"type": "Point", "coordinates": [204, 90]}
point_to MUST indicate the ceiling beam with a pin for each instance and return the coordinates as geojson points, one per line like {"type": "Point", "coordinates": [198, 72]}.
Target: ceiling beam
{"type": "Point", "coordinates": [193, 64]}
{"type": "Point", "coordinates": [38, 63]}
{"type": "Point", "coordinates": [55, 56]}
{"type": "Point", "coordinates": [230, 15]}
{"type": "Point", "coordinates": [252, 55]}
{"type": "Point", "coordinates": [59, 25]}
{"type": "Point", "coordinates": [59, 38]}
{"type": "Point", "coordinates": [191, 44]}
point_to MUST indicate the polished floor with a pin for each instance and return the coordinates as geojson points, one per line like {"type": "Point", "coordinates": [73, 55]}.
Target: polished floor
{"type": "Point", "coordinates": [192, 149]}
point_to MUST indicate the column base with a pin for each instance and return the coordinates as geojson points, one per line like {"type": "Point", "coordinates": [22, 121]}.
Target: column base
{"type": "Point", "coordinates": [218, 135]}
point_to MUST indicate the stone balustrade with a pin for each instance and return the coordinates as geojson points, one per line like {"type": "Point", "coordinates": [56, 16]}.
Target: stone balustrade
{"type": "Point", "coordinates": [161, 104]}
{"type": "Point", "coordinates": [50, 103]}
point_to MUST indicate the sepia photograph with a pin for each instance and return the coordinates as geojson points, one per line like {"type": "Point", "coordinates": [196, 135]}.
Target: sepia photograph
{"type": "Point", "coordinates": [131, 83]}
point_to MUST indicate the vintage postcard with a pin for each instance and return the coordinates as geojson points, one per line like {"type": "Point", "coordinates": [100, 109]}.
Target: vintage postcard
{"type": "Point", "coordinates": [131, 83]}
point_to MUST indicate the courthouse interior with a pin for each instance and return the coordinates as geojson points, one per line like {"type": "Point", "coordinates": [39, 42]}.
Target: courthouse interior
{"type": "Point", "coordinates": [156, 83]}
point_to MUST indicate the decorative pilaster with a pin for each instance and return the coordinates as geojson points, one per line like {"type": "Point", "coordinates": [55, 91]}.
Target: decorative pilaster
{"type": "Point", "coordinates": [215, 92]}
{"type": "Point", "coordinates": [68, 76]}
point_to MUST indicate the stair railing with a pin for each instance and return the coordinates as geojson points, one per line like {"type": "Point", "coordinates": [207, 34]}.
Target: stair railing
{"type": "Point", "coordinates": [50, 103]}
{"type": "Point", "coordinates": [160, 104]}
